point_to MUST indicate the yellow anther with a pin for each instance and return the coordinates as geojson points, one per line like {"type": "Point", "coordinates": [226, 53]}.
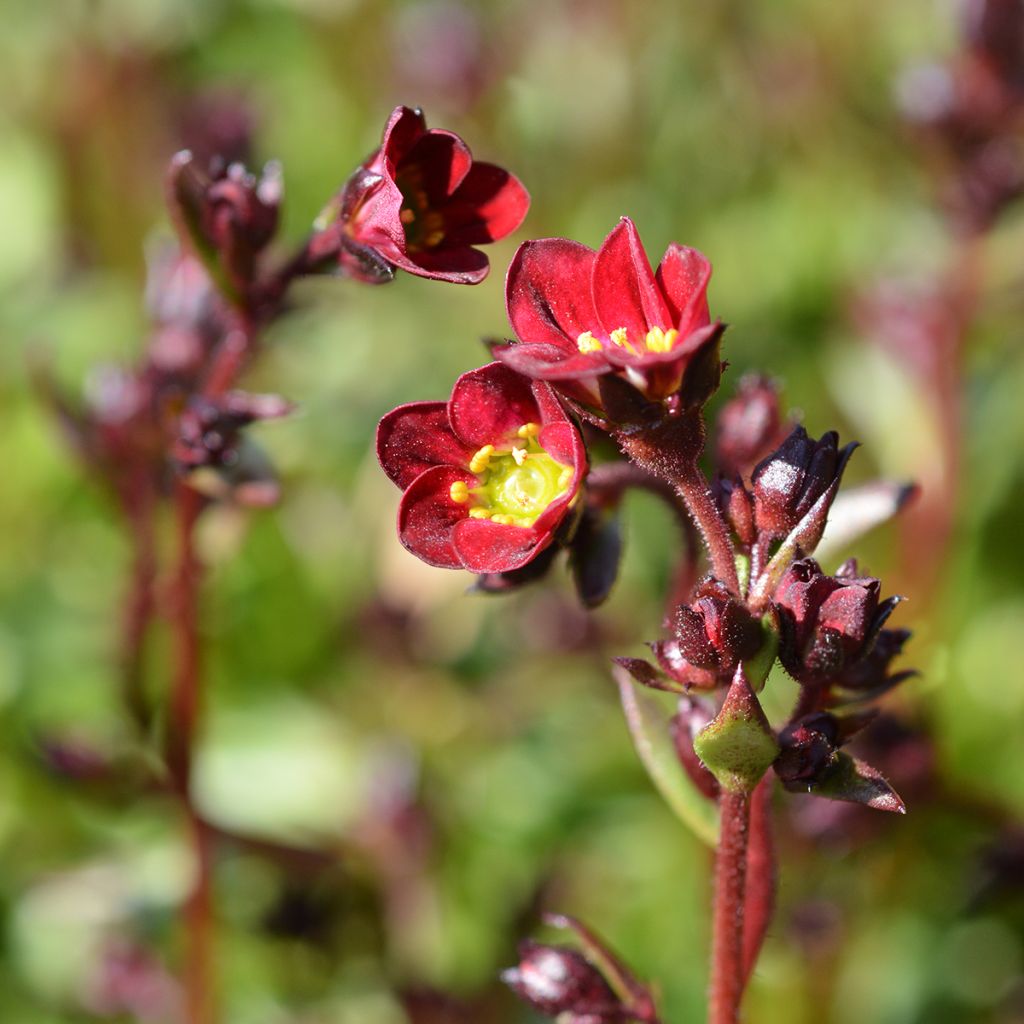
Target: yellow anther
{"type": "Point", "coordinates": [620, 337]}
{"type": "Point", "coordinates": [479, 513]}
{"type": "Point", "coordinates": [519, 454]}
{"type": "Point", "coordinates": [481, 459]}
{"type": "Point", "coordinates": [565, 478]}
{"type": "Point", "coordinates": [407, 216]}
{"type": "Point", "coordinates": [587, 343]}
{"type": "Point", "coordinates": [658, 340]}
{"type": "Point", "coordinates": [503, 520]}
{"type": "Point", "coordinates": [529, 430]}
{"type": "Point", "coordinates": [459, 492]}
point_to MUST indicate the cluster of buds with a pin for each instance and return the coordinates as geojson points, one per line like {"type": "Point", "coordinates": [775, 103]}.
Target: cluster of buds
{"type": "Point", "coordinates": [970, 110]}
{"type": "Point", "coordinates": [826, 631]}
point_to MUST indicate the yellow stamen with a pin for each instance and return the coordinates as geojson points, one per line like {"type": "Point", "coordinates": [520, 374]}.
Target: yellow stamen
{"type": "Point", "coordinates": [481, 459]}
{"type": "Point", "coordinates": [620, 337]}
{"type": "Point", "coordinates": [503, 520]}
{"type": "Point", "coordinates": [407, 216]}
{"type": "Point", "coordinates": [587, 343]}
{"type": "Point", "coordinates": [479, 513]}
{"type": "Point", "coordinates": [658, 340]}
{"type": "Point", "coordinates": [459, 492]}
{"type": "Point", "coordinates": [519, 454]}
{"type": "Point", "coordinates": [529, 430]}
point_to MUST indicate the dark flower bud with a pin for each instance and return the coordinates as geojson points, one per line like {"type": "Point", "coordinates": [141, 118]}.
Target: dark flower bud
{"type": "Point", "coordinates": [809, 748]}
{"type": "Point", "coordinates": [209, 428]}
{"type": "Point", "coordinates": [556, 980]}
{"type": "Point", "coordinates": [749, 427]}
{"type": "Point", "coordinates": [789, 483]}
{"type": "Point", "coordinates": [737, 505]}
{"type": "Point", "coordinates": [828, 623]}
{"type": "Point", "coordinates": [716, 631]}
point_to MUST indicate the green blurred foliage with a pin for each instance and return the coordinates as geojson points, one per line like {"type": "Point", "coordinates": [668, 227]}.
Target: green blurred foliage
{"type": "Point", "coordinates": [462, 760]}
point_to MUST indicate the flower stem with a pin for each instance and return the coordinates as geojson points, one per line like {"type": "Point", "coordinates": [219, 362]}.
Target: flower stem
{"type": "Point", "coordinates": [762, 875]}
{"type": "Point", "coordinates": [185, 711]}
{"type": "Point", "coordinates": [694, 490]}
{"type": "Point", "coordinates": [727, 967]}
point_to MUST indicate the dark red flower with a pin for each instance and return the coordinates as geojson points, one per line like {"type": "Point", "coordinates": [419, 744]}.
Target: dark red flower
{"type": "Point", "coordinates": [421, 203]}
{"type": "Point", "coordinates": [579, 314]}
{"type": "Point", "coordinates": [488, 477]}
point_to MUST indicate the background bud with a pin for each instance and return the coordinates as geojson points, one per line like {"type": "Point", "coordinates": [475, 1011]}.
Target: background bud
{"type": "Point", "coordinates": [557, 980]}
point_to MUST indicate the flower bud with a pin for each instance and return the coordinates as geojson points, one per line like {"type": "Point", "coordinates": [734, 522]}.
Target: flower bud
{"type": "Point", "coordinates": [789, 482]}
{"type": "Point", "coordinates": [209, 428]}
{"type": "Point", "coordinates": [749, 426]}
{"type": "Point", "coordinates": [828, 623]}
{"type": "Point", "coordinates": [808, 750]}
{"type": "Point", "coordinates": [556, 980]}
{"type": "Point", "coordinates": [716, 631]}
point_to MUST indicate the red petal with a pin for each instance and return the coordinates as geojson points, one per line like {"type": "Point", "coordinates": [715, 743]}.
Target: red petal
{"type": "Point", "coordinates": [427, 516]}
{"type": "Point", "coordinates": [626, 293]}
{"type": "Point", "coordinates": [564, 443]}
{"type": "Point", "coordinates": [683, 276]}
{"type": "Point", "coordinates": [550, 362]}
{"type": "Point", "coordinates": [488, 205]}
{"type": "Point", "coordinates": [550, 408]}
{"type": "Point", "coordinates": [484, 546]}
{"type": "Point", "coordinates": [404, 127]}
{"type": "Point", "coordinates": [490, 404]}
{"type": "Point", "coordinates": [548, 295]}
{"type": "Point", "coordinates": [437, 162]}
{"type": "Point", "coordinates": [377, 222]}
{"type": "Point", "coordinates": [414, 437]}
{"type": "Point", "coordinates": [459, 266]}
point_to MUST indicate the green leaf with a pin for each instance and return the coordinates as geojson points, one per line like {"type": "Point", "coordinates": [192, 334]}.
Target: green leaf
{"type": "Point", "coordinates": [649, 728]}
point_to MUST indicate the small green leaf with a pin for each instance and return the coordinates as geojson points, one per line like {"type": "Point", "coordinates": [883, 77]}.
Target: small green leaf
{"type": "Point", "coordinates": [852, 780]}
{"type": "Point", "coordinates": [758, 667]}
{"type": "Point", "coordinates": [649, 728]}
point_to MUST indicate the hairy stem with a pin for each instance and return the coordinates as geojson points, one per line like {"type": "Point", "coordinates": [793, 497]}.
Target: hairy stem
{"type": "Point", "coordinates": [762, 876]}
{"type": "Point", "coordinates": [694, 490]}
{"type": "Point", "coordinates": [728, 975]}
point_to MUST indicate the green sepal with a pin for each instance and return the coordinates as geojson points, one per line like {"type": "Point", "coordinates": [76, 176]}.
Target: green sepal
{"type": "Point", "coordinates": [738, 746]}
{"type": "Point", "coordinates": [760, 665]}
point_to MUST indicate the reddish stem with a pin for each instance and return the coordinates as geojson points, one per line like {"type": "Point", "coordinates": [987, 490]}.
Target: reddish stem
{"type": "Point", "coordinates": [728, 975]}
{"type": "Point", "coordinates": [694, 490]}
{"type": "Point", "coordinates": [185, 714]}
{"type": "Point", "coordinates": [761, 876]}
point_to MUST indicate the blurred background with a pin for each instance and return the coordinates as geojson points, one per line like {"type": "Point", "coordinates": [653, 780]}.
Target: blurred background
{"type": "Point", "coordinates": [406, 775]}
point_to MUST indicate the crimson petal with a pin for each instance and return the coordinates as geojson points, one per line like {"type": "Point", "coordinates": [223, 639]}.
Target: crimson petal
{"type": "Point", "coordinates": [486, 546]}
{"type": "Point", "coordinates": [414, 437]}
{"type": "Point", "coordinates": [683, 276]}
{"type": "Point", "coordinates": [550, 362]}
{"type": "Point", "coordinates": [489, 404]}
{"type": "Point", "coordinates": [626, 293]}
{"type": "Point", "coordinates": [488, 205]}
{"type": "Point", "coordinates": [404, 127]}
{"type": "Point", "coordinates": [437, 162]}
{"type": "Point", "coordinates": [548, 295]}
{"type": "Point", "coordinates": [427, 516]}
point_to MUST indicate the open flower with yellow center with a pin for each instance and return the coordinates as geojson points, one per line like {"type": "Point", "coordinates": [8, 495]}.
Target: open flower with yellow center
{"type": "Point", "coordinates": [489, 476]}
{"type": "Point", "coordinates": [421, 203]}
{"type": "Point", "coordinates": [580, 314]}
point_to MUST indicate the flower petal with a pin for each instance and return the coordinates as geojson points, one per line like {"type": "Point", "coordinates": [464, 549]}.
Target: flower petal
{"type": "Point", "coordinates": [437, 162]}
{"type": "Point", "coordinates": [626, 293]}
{"type": "Point", "coordinates": [683, 276]}
{"type": "Point", "coordinates": [550, 362]}
{"type": "Point", "coordinates": [404, 127]}
{"type": "Point", "coordinates": [488, 205]}
{"type": "Point", "coordinates": [548, 294]}
{"type": "Point", "coordinates": [459, 266]}
{"type": "Point", "coordinates": [485, 546]}
{"type": "Point", "coordinates": [427, 516]}
{"type": "Point", "coordinates": [490, 404]}
{"type": "Point", "coordinates": [414, 437]}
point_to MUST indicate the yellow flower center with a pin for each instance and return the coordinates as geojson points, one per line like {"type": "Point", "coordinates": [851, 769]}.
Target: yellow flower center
{"type": "Point", "coordinates": [515, 486]}
{"type": "Point", "coordinates": [424, 227]}
{"type": "Point", "coordinates": [656, 340]}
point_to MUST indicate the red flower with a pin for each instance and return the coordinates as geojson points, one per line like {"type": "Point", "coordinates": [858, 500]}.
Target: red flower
{"type": "Point", "coordinates": [488, 477]}
{"type": "Point", "coordinates": [421, 203]}
{"type": "Point", "coordinates": [579, 314]}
